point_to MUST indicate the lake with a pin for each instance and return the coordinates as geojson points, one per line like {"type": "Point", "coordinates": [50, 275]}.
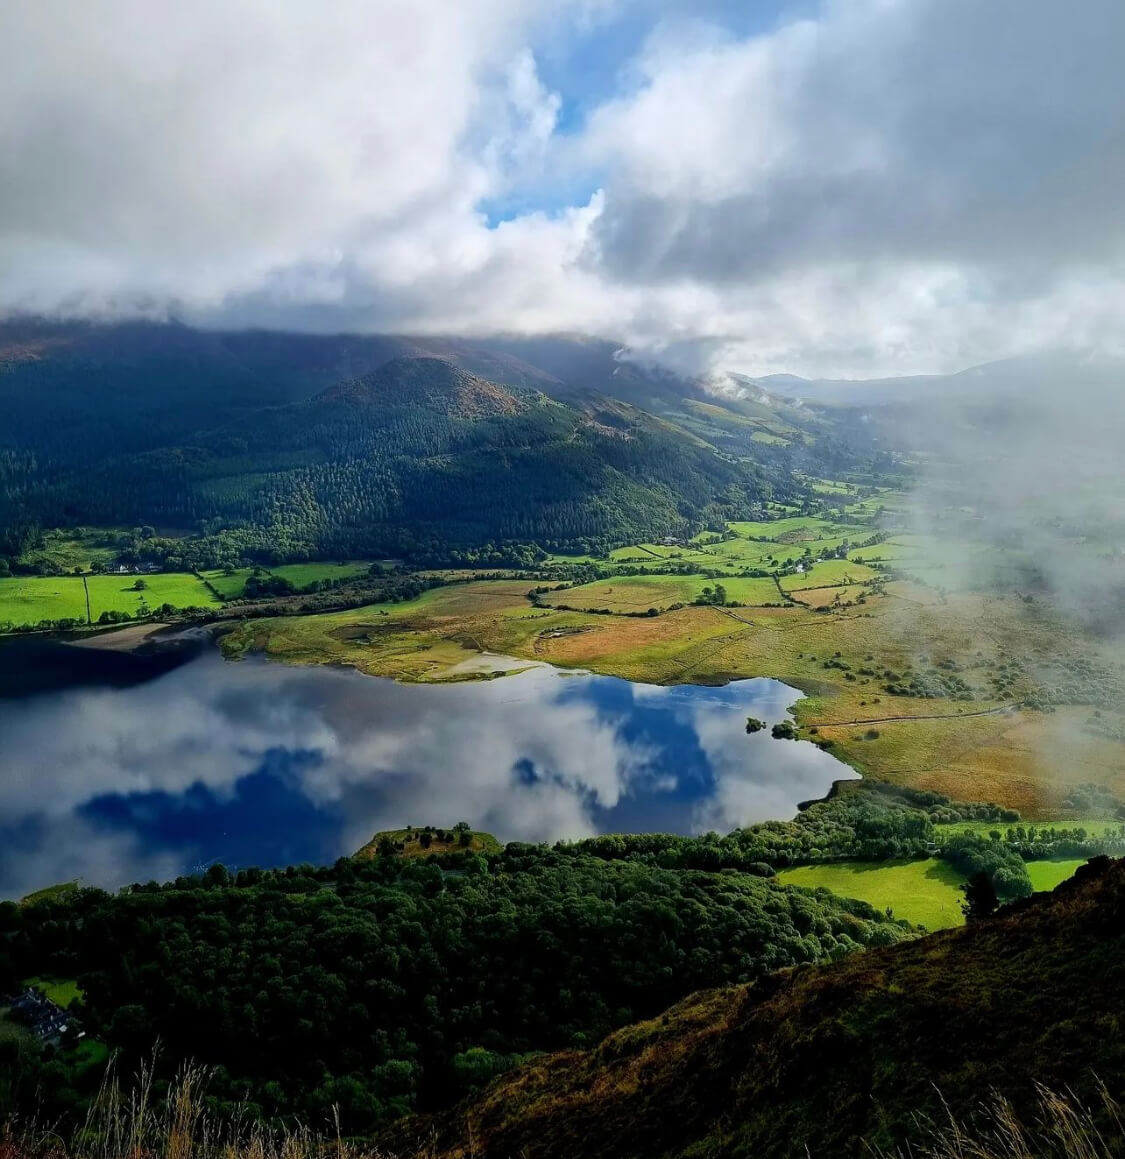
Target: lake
{"type": "Point", "coordinates": [150, 775]}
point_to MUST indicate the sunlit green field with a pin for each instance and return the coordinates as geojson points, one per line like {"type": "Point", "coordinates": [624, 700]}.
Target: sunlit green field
{"type": "Point", "coordinates": [927, 893]}
{"type": "Point", "coordinates": [300, 575]}
{"type": "Point", "coordinates": [826, 573]}
{"type": "Point", "coordinates": [31, 599]}
{"type": "Point", "coordinates": [1045, 875]}
{"type": "Point", "coordinates": [230, 587]}
{"type": "Point", "coordinates": [639, 593]}
{"type": "Point", "coordinates": [118, 592]}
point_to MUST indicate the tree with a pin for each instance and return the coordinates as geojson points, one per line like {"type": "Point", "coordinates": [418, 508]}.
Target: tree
{"type": "Point", "coordinates": [980, 897]}
{"type": "Point", "coordinates": [140, 586]}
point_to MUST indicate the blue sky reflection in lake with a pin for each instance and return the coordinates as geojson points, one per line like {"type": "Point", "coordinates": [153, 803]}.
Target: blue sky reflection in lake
{"type": "Point", "coordinates": [256, 763]}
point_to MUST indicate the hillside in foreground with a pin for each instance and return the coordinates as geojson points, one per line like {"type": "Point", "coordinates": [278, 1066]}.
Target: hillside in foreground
{"type": "Point", "coordinates": [832, 1058]}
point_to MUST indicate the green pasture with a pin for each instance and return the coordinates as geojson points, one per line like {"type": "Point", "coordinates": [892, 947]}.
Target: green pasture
{"type": "Point", "coordinates": [639, 593]}
{"type": "Point", "coordinates": [29, 599]}
{"type": "Point", "coordinates": [301, 575]}
{"type": "Point", "coordinates": [1045, 875]}
{"type": "Point", "coordinates": [654, 553]}
{"type": "Point", "coordinates": [117, 593]}
{"type": "Point", "coordinates": [827, 573]}
{"type": "Point", "coordinates": [805, 526]}
{"type": "Point", "coordinates": [228, 586]}
{"type": "Point", "coordinates": [927, 893]}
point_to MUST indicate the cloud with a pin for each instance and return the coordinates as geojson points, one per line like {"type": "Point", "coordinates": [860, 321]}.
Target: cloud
{"type": "Point", "coordinates": [881, 186]}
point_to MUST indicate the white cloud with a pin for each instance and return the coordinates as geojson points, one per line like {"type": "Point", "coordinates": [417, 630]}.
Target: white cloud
{"type": "Point", "coordinates": [894, 185]}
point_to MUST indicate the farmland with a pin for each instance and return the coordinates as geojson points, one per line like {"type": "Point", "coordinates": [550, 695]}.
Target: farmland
{"type": "Point", "coordinates": [29, 600]}
{"type": "Point", "coordinates": [917, 653]}
{"type": "Point", "coordinates": [632, 594]}
{"type": "Point", "coordinates": [301, 575]}
{"type": "Point", "coordinates": [909, 684]}
{"type": "Point", "coordinates": [32, 599]}
{"type": "Point", "coordinates": [115, 593]}
{"type": "Point", "coordinates": [927, 893]}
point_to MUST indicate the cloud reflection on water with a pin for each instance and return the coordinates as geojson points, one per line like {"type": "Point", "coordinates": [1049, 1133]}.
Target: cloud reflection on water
{"type": "Point", "coordinates": [256, 763]}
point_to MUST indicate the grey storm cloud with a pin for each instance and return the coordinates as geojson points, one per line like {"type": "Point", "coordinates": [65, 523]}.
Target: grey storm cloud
{"type": "Point", "coordinates": [889, 186]}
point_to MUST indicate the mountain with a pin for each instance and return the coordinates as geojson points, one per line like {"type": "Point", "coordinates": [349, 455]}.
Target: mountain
{"type": "Point", "coordinates": [297, 446]}
{"type": "Point", "coordinates": [429, 383]}
{"type": "Point", "coordinates": [1008, 378]}
{"type": "Point", "coordinates": [830, 1060]}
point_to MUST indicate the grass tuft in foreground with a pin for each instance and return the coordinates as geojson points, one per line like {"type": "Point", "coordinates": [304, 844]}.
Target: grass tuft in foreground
{"type": "Point", "coordinates": [1062, 1128]}
{"type": "Point", "coordinates": [142, 1120]}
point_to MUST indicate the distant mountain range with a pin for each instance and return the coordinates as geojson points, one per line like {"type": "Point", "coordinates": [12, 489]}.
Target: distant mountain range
{"type": "Point", "coordinates": [1007, 378]}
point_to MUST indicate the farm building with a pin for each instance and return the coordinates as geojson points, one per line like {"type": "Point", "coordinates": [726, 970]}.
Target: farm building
{"type": "Point", "coordinates": [45, 1019]}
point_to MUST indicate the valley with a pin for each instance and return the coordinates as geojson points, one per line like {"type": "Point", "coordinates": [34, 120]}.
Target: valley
{"type": "Point", "coordinates": [562, 580]}
{"type": "Point", "coordinates": [968, 692]}
{"type": "Point", "coordinates": [480, 682]}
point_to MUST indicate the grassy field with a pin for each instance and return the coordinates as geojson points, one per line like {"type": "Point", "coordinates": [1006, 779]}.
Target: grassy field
{"type": "Point", "coordinates": [229, 587]}
{"type": "Point", "coordinates": [826, 597]}
{"type": "Point", "coordinates": [64, 991]}
{"type": "Point", "coordinates": [927, 893]}
{"type": "Point", "coordinates": [639, 593]}
{"type": "Point", "coordinates": [31, 599]}
{"type": "Point", "coordinates": [116, 593]}
{"type": "Point", "coordinates": [1045, 875]}
{"type": "Point", "coordinates": [300, 575]}
{"type": "Point", "coordinates": [827, 572]}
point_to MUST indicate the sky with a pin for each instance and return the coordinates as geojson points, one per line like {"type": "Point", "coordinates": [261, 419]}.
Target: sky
{"type": "Point", "coordinates": [822, 187]}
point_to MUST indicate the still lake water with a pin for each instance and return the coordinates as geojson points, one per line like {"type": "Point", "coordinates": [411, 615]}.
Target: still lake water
{"type": "Point", "coordinates": [254, 763]}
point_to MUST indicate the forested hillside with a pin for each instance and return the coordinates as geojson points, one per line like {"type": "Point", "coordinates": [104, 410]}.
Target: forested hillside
{"type": "Point", "coordinates": [386, 985]}
{"type": "Point", "coordinates": [304, 446]}
{"type": "Point", "coordinates": [837, 1059]}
